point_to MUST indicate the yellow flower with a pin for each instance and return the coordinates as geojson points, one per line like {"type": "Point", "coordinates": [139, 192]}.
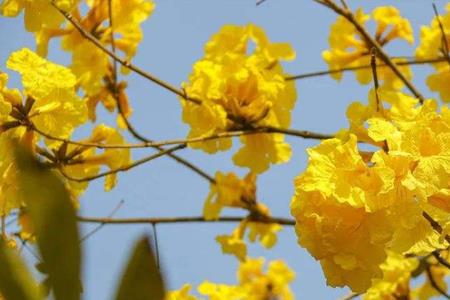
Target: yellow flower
{"type": "Point", "coordinates": [38, 14]}
{"type": "Point", "coordinates": [349, 211]}
{"type": "Point", "coordinates": [265, 233]}
{"type": "Point", "coordinates": [395, 282]}
{"type": "Point", "coordinates": [230, 191]}
{"type": "Point", "coordinates": [242, 91]}
{"type": "Point", "coordinates": [88, 162]}
{"type": "Point", "coordinates": [52, 104]}
{"type": "Point", "coordinates": [260, 285]}
{"type": "Point", "coordinates": [346, 204]}
{"type": "Point", "coordinates": [91, 65]}
{"type": "Point", "coordinates": [431, 46]}
{"type": "Point", "coordinates": [233, 244]}
{"type": "Point", "coordinates": [181, 294]}
{"type": "Point", "coordinates": [220, 291]}
{"type": "Point", "coordinates": [402, 109]}
{"type": "Point", "coordinates": [254, 283]}
{"type": "Point", "coordinates": [349, 49]}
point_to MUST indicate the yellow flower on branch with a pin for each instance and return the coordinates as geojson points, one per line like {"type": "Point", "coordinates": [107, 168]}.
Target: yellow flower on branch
{"type": "Point", "coordinates": [230, 191]}
{"type": "Point", "coordinates": [350, 211]}
{"type": "Point", "coordinates": [254, 283]}
{"type": "Point", "coordinates": [51, 102]}
{"type": "Point", "coordinates": [395, 283]}
{"type": "Point", "coordinates": [433, 44]}
{"type": "Point", "coordinates": [87, 162]}
{"type": "Point", "coordinates": [239, 90]}
{"type": "Point", "coordinates": [349, 49]}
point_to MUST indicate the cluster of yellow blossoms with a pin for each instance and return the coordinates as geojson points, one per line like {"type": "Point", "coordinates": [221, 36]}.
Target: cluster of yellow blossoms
{"type": "Point", "coordinates": [361, 210]}
{"type": "Point", "coordinates": [366, 215]}
{"type": "Point", "coordinates": [49, 108]}
{"type": "Point", "coordinates": [232, 192]}
{"type": "Point", "coordinates": [56, 100]}
{"type": "Point", "coordinates": [349, 49]}
{"type": "Point", "coordinates": [253, 284]}
{"type": "Point", "coordinates": [241, 89]}
{"type": "Point", "coordinates": [91, 66]}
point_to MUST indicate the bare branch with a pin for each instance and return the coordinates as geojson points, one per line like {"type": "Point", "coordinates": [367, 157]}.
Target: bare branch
{"type": "Point", "coordinates": [173, 220]}
{"type": "Point", "coordinates": [124, 168]}
{"type": "Point", "coordinates": [96, 229]}
{"type": "Point", "coordinates": [227, 134]}
{"type": "Point", "coordinates": [329, 72]}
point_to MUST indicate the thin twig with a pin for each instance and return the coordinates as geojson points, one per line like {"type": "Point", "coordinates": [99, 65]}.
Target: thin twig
{"type": "Point", "coordinates": [96, 229]}
{"type": "Point", "coordinates": [123, 62]}
{"type": "Point", "coordinates": [124, 168]}
{"type": "Point", "coordinates": [173, 220]}
{"type": "Point", "coordinates": [373, 63]}
{"type": "Point", "coordinates": [227, 134]}
{"type": "Point", "coordinates": [334, 71]}
{"type": "Point", "coordinates": [347, 14]}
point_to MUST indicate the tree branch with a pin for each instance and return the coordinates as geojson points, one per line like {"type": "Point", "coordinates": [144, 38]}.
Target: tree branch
{"type": "Point", "coordinates": [329, 72]}
{"type": "Point", "coordinates": [173, 220]}
{"type": "Point", "coordinates": [124, 168]}
{"type": "Point", "coordinates": [227, 134]}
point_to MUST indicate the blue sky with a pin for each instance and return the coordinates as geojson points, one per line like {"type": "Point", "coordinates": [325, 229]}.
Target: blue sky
{"type": "Point", "coordinates": [174, 38]}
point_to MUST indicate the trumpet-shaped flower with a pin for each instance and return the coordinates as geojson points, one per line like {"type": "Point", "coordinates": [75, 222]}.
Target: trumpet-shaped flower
{"type": "Point", "coordinates": [52, 104]}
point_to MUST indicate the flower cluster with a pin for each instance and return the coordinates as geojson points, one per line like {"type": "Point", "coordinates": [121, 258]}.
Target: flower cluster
{"type": "Point", "coordinates": [49, 109]}
{"type": "Point", "coordinates": [353, 207]}
{"type": "Point", "coordinates": [94, 72]}
{"type": "Point", "coordinates": [349, 49]}
{"type": "Point", "coordinates": [253, 284]}
{"type": "Point", "coordinates": [232, 192]}
{"type": "Point", "coordinates": [241, 89]}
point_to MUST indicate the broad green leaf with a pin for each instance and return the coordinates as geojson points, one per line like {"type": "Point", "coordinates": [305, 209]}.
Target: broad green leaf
{"type": "Point", "coordinates": [54, 222]}
{"type": "Point", "coordinates": [15, 280]}
{"type": "Point", "coordinates": [141, 279]}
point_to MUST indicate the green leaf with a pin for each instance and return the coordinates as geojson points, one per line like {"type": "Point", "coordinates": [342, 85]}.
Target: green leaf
{"type": "Point", "coordinates": [54, 221]}
{"type": "Point", "coordinates": [141, 279]}
{"type": "Point", "coordinates": [15, 280]}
